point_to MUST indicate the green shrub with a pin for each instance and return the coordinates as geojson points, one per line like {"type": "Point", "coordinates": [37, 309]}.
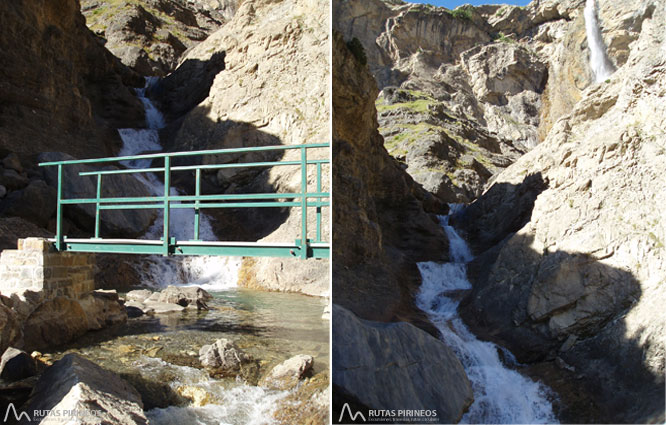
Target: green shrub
{"type": "Point", "coordinates": [357, 50]}
{"type": "Point", "coordinates": [462, 13]}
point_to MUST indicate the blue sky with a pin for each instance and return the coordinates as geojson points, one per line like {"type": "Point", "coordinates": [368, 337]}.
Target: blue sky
{"type": "Point", "coordinates": [452, 4]}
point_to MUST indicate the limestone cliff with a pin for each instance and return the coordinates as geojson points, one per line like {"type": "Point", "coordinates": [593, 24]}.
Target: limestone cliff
{"type": "Point", "coordinates": [261, 79]}
{"type": "Point", "coordinates": [381, 227]}
{"type": "Point", "coordinates": [150, 36]}
{"type": "Point", "coordinates": [477, 86]}
{"type": "Point", "coordinates": [570, 238]}
{"type": "Point", "coordinates": [583, 275]}
{"type": "Point", "coordinates": [60, 90]}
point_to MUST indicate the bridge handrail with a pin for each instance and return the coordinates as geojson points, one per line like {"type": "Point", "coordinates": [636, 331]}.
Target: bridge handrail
{"type": "Point", "coordinates": [168, 201]}
{"type": "Point", "coordinates": [185, 153]}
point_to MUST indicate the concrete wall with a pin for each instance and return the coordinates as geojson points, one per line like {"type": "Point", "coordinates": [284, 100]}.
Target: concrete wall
{"type": "Point", "coordinates": [37, 266]}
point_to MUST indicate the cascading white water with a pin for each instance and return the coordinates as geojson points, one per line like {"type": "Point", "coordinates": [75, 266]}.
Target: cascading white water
{"type": "Point", "coordinates": [501, 395]}
{"type": "Point", "coordinates": [599, 62]}
{"type": "Point", "coordinates": [211, 273]}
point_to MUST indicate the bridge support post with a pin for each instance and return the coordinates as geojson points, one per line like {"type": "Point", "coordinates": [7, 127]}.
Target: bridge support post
{"type": "Point", "coordinates": [59, 235]}
{"type": "Point", "coordinates": [38, 267]}
{"type": "Point", "coordinates": [304, 203]}
{"type": "Point", "coordinates": [167, 191]}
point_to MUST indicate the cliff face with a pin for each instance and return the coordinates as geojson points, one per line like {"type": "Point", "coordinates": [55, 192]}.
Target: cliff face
{"type": "Point", "coordinates": [261, 79]}
{"type": "Point", "coordinates": [479, 85]}
{"type": "Point", "coordinates": [150, 36]}
{"type": "Point", "coordinates": [569, 239]}
{"type": "Point", "coordinates": [60, 89]}
{"type": "Point", "coordinates": [583, 275]}
{"type": "Point", "coordinates": [381, 227]}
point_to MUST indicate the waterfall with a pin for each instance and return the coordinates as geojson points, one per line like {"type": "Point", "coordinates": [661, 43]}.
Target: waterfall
{"type": "Point", "coordinates": [501, 394]}
{"type": "Point", "coordinates": [599, 62]}
{"type": "Point", "coordinates": [209, 272]}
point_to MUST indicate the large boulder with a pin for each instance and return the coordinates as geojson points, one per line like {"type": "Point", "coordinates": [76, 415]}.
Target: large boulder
{"type": "Point", "coordinates": [16, 365]}
{"type": "Point", "coordinates": [103, 308]}
{"type": "Point", "coordinates": [54, 322]}
{"type": "Point", "coordinates": [390, 365]}
{"type": "Point", "coordinates": [287, 374]}
{"type": "Point", "coordinates": [36, 203]}
{"type": "Point", "coordinates": [222, 354]}
{"type": "Point", "coordinates": [120, 223]}
{"type": "Point", "coordinates": [77, 385]}
{"type": "Point", "coordinates": [184, 296]}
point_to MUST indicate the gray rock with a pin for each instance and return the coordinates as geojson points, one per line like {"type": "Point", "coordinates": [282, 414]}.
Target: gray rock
{"type": "Point", "coordinates": [222, 354]}
{"type": "Point", "coordinates": [13, 162]}
{"type": "Point", "coordinates": [54, 322]}
{"type": "Point", "coordinates": [36, 203]}
{"type": "Point", "coordinates": [16, 365]}
{"type": "Point", "coordinates": [128, 223]}
{"type": "Point", "coordinates": [10, 325]}
{"type": "Point", "coordinates": [183, 296]}
{"type": "Point", "coordinates": [13, 180]}
{"type": "Point", "coordinates": [386, 365]}
{"type": "Point", "coordinates": [157, 307]}
{"type": "Point", "coordinates": [287, 374]}
{"type": "Point", "coordinates": [77, 384]}
{"type": "Point", "coordinates": [136, 309]}
{"type": "Point", "coordinates": [139, 295]}
{"type": "Point", "coordinates": [103, 309]}
{"type": "Point", "coordinates": [3, 191]}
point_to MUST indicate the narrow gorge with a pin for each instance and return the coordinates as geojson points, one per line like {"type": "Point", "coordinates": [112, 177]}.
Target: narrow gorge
{"type": "Point", "coordinates": [544, 121]}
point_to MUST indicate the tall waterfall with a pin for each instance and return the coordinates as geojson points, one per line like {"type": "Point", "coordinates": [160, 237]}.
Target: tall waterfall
{"type": "Point", "coordinates": [501, 394]}
{"type": "Point", "coordinates": [210, 273]}
{"type": "Point", "coordinates": [599, 62]}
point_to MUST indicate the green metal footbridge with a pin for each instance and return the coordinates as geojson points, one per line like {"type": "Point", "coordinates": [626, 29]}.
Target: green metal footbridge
{"type": "Point", "coordinates": [305, 200]}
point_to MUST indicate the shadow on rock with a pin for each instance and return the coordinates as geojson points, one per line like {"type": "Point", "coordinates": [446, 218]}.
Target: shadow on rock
{"type": "Point", "coordinates": [564, 308]}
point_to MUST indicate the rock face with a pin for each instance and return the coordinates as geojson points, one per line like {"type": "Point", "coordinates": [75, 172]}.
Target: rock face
{"type": "Point", "coordinates": [74, 383]}
{"type": "Point", "coordinates": [584, 265]}
{"type": "Point", "coordinates": [287, 374]}
{"type": "Point", "coordinates": [370, 359]}
{"type": "Point", "coordinates": [479, 85]}
{"type": "Point", "coordinates": [381, 227]}
{"type": "Point", "coordinates": [259, 80]}
{"type": "Point", "coordinates": [222, 354]}
{"type": "Point", "coordinates": [150, 36]}
{"type": "Point", "coordinates": [61, 89]}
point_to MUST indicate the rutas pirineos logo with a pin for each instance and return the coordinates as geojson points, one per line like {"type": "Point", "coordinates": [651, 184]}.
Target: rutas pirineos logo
{"type": "Point", "coordinates": [353, 416]}
{"type": "Point", "coordinates": [17, 416]}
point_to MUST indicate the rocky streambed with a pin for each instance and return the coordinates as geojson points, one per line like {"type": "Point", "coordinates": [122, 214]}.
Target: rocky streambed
{"type": "Point", "coordinates": [278, 344]}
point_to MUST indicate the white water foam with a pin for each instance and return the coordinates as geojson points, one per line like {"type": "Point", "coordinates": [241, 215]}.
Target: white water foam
{"type": "Point", "coordinates": [599, 62]}
{"type": "Point", "coordinates": [209, 272]}
{"type": "Point", "coordinates": [501, 395]}
{"type": "Point", "coordinates": [240, 404]}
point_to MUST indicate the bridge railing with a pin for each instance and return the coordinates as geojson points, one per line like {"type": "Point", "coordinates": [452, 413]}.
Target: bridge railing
{"type": "Point", "coordinates": [168, 245]}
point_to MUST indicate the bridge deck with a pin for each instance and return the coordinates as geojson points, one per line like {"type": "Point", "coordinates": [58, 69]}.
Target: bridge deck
{"type": "Point", "coordinates": [176, 247]}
